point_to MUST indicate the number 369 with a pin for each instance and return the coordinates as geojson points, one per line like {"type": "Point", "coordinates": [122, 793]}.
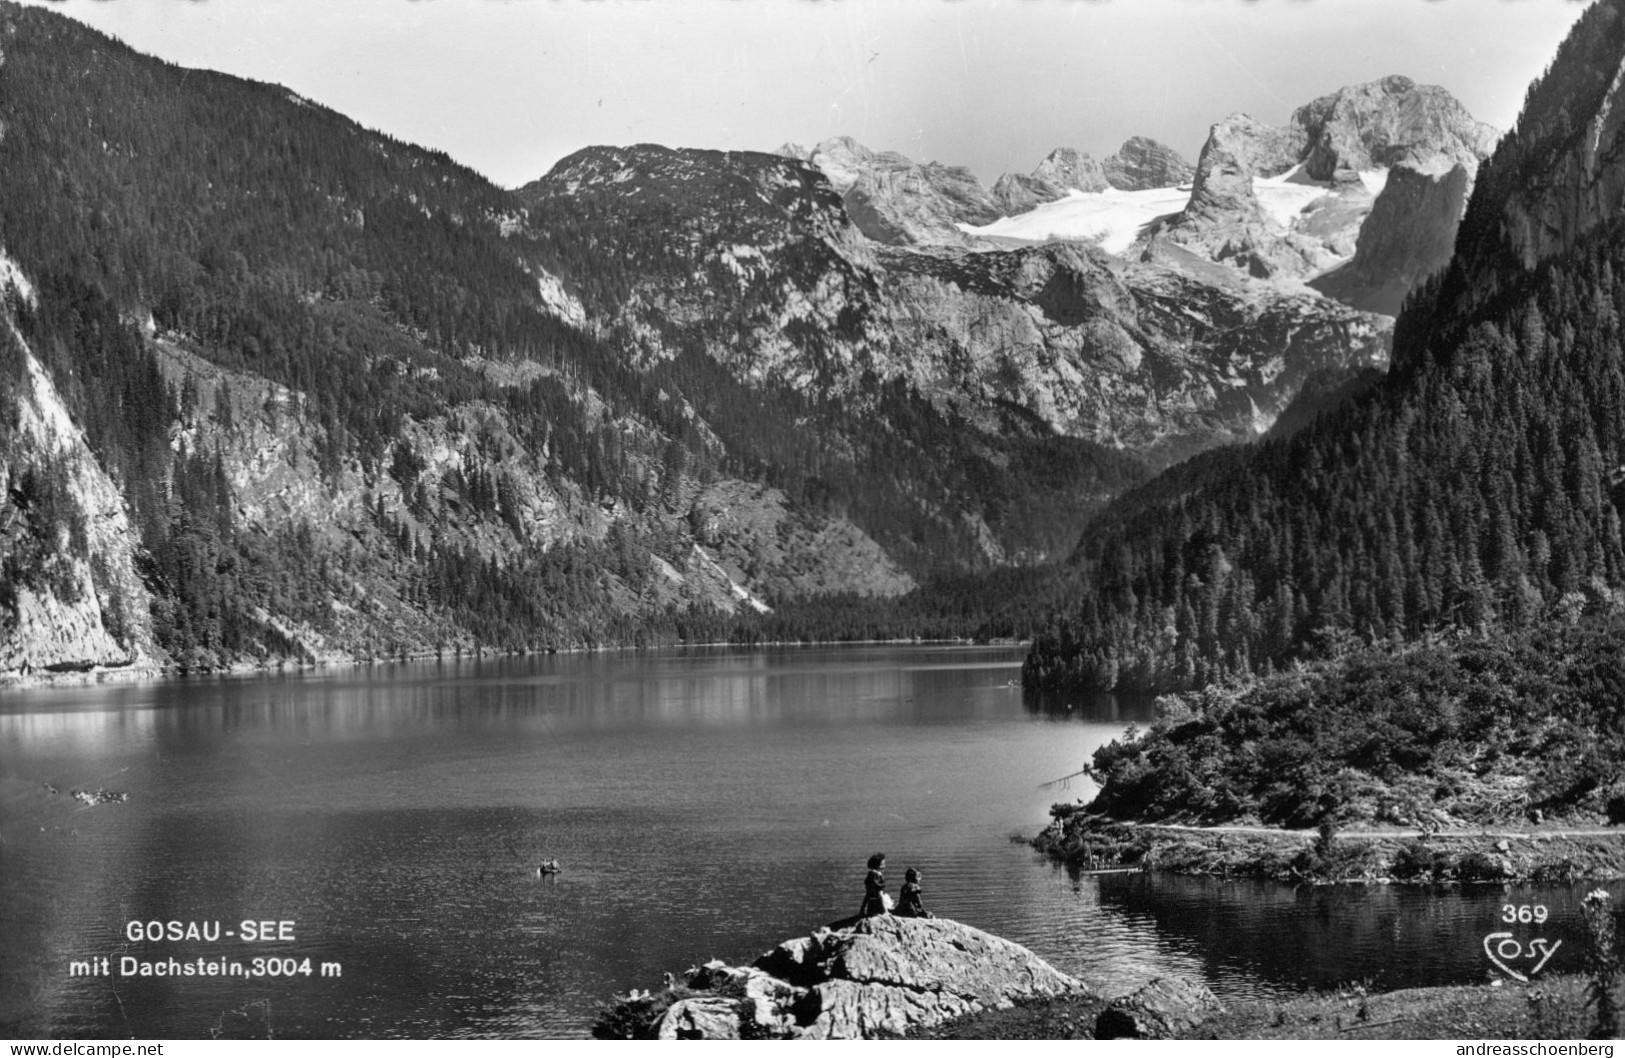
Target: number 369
{"type": "Point", "coordinates": [1523, 913]}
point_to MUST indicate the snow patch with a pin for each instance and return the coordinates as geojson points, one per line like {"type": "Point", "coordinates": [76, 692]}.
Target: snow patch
{"type": "Point", "coordinates": [1112, 217]}
{"type": "Point", "coordinates": [1374, 180]}
{"type": "Point", "coordinates": [1115, 219]}
{"type": "Point", "coordinates": [1284, 198]}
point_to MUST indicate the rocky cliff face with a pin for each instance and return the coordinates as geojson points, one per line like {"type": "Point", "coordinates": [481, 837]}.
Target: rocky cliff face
{"type": "Point", "coordinates": [70, 596]}
{"type": "Point", "coordinates": [878, 978]}
{"type": "Point", "coordinates": [1137, 356]}
{"type": "Point", "coordinates": [1409, 235]}
{"type": "Point", "coordinates": [1224, 219]}
{"type": "Point", "coordinates": [1563, 174]}
{"type": "Point", "coordinates": [1383, 123]}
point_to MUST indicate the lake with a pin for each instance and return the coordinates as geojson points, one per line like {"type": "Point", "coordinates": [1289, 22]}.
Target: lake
{"type": "Point", "coordinates": [703, 803]}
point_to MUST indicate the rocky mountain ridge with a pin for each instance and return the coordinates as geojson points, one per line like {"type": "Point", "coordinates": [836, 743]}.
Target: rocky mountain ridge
{"type": "Point", "coordinates": [899, 202]}
{"type": "Point", "coordinates": [1335, 142]}
{"type": "Point", "coordinates": [1285, 204]}
{"type": "Point", "coordinates": [358, 402]}
{"type": "Point", "coordinates": [1124, 355]}
{"type": "Point", "coordinates": [333, 403]}
{"type": "Point", "coordinates": [1326, 167]}
{"type": "Point", "coordinates": [1141, 164]}
{"type": "Point", "coordinates": [894, 200]}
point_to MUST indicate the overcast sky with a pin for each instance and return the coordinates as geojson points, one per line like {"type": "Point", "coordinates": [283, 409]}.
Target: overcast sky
{"type": "Point", "coordinates": [511, 87]}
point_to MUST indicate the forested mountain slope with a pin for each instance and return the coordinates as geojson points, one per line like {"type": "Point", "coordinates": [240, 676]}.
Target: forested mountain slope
{"type": "Point", "coordinates": [350, 399]}
{"type": "Point", "coordinates": [346, 407]}
{"type": "Point", "coordinates": [1479, 485]}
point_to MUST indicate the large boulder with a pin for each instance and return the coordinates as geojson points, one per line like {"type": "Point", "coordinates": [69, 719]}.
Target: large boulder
{"type": "Point", "coordinates": [1162, 1009]}
{"type": "Point", "coordinates": [878, 977]}
{"type": "Point", "coordinates": [700, 1018]}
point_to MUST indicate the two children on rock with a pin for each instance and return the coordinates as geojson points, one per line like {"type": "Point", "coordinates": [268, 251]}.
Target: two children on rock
{"type": "Point", "coordinates": [875, 900]}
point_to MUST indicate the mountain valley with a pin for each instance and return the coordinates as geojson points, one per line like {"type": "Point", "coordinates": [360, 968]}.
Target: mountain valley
{"type": "Point", "coordinates": [351, 400]}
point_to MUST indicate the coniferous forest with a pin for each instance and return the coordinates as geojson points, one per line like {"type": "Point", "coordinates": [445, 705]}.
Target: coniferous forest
{"type": "Point", "coordinates": [1478, 488]}
{"type": "Point", "coordinates": [213, 266]}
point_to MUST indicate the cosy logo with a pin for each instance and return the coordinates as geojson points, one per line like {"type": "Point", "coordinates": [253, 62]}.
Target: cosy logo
{"type": "Point", "coordinates": [1504, 949]}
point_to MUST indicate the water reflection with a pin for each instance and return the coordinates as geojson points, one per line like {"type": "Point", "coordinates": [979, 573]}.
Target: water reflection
{"type": "Point", "coordinates": [536, 694]}
{"type": "Point", "coordinates": [1091, 705]}
{"type": "Point", "coordinates": [704, 803]}
{"type": "Point", "coordinates": [1325, 936]}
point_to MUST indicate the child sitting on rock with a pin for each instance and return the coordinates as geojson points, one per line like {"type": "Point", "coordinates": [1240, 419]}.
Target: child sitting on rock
{"type": "Point", "coordinates": [875, 900]}
{"type": "Point", "coordinates": [908, 901]}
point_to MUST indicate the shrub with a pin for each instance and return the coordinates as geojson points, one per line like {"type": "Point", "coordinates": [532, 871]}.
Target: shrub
{"type": "Point", "coordinates": [1480, 867]}
{"type": "Point", "coordinates": [1614, 805]}
{"type": "Point", "coordinates": [632, 1018]}
{"type": "Point", "coordinates": [1415, 859]}
{"type": "Point", "coordinates": [1602, 963]}
{"type": "Point", "coordinates": [1562, 872]}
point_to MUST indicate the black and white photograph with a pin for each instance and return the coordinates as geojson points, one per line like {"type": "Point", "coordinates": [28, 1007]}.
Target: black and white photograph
{"type": "Point", "coordinates": [923, 520]}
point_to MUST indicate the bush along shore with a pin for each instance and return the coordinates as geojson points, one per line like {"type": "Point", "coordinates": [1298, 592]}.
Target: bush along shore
{"type": "Point", "coordinates": [1473, 758]}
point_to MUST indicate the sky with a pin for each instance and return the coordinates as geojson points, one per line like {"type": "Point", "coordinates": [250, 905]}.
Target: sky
{"type": "Point", "coordinates": [511, 86]}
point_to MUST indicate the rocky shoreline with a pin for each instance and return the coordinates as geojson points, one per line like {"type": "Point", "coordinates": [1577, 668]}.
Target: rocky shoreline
{"type": "Point", "coordinates": [1545, 854]}
{"type": "Point", "coordinates": [896, 978]}
{"type": "Point", "coordinates": [886, 977]}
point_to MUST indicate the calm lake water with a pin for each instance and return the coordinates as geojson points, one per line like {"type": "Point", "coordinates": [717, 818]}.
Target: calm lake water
{"type": "Point", "coordinates": [704, 803]}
